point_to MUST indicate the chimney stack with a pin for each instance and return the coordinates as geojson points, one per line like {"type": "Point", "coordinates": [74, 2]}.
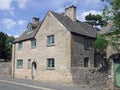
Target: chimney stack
{"type": "Point", "coordinates": [71, 12]}
{"type": "Point", "coordinates": [35, 20]}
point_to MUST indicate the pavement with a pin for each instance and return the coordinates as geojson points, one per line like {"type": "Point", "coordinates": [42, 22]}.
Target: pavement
{"type": "Point", "coordinates": [36, 85]}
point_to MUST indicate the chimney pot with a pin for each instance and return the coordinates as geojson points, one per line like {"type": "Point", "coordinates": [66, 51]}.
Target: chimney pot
{"type": "Point", "coordinates": [35, 20]}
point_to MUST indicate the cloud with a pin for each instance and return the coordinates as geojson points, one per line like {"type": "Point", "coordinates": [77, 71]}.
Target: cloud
{"type": "Point", "coordinates": [6, 5]}
{"type": "Point", "coordinates": [81, 15]}
{"type": "Point", "coordinates": [12, 13]}
{"type": "Point", "coordinates": [9, 23]}
{"type": "Point", "coordinates": [21, 22]}
{"type": "Point", "coordinates": [22, 3]}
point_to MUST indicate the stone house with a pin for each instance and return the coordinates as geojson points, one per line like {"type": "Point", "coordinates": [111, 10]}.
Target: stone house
{"type": "Point", "coordinates": [49, 49]}
{"type": "Point", "coordinates": [113, 56]}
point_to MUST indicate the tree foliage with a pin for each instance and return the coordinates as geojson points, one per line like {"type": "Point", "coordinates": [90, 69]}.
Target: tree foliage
{"type": "Point", "coordinates": [6, 46]}
{"type": "Point", "coordinates": [112, 12]}
{"type": "Point", "coordinates": [100, 43]}
{"type": "Point", "coordinates": [95, 20]}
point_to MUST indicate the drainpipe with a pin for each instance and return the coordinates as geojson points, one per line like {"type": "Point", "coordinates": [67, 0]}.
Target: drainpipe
{"type": "Point", "coordinates": [14, 46]}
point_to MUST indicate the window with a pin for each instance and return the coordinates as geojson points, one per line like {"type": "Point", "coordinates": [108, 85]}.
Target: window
{"type": "Point", "coordinates": [29, 63]}
{"type": "Point", "coordinates": [19, 63]}
{"type": "Point", "coordinates": [33, 43]}
{"type": "Point", "coordinates": [86, 62]}
{"type": "Point", "coordinates": [20, 45]}
{"type": "Point", "coordinates": [29, 29]}
{"type": "Point", "coordinates": [50, 40]}
{"type": "Point", "coordinates": [50, 63]}
{"type": "Point", "coordinates": [86, 43]}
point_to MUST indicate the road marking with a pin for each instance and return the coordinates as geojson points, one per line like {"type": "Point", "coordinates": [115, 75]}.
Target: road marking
{"type": "Point", "coordinates": [37, 87]}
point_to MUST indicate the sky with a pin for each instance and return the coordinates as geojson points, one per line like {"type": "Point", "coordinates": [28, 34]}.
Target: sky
{"type": "Point", "coordinates": [16, 14]}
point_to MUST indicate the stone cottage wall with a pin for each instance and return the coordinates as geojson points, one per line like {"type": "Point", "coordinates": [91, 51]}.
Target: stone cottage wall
{"type": "Point", "coordinates": [79, 53]}
{"type": "Point", "coordinates": [5, 68]}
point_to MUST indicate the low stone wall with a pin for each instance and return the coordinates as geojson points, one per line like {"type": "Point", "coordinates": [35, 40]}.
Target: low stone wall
{"type": "Point", "coordinates": [91, 77]}
{"type": "Point", "coordinates": [5, 68]}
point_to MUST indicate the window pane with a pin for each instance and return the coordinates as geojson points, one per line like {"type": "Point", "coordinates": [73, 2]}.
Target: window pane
{"type": "Point", "coordinates": [86, 43]}
{"type": "Point", "coordinates": [33, 43]}
{"type": "Point", "coordinates": [20, 45]}
{"type": "Point", "coordinates": [86, 62]}
{"type": "Point", "coordinates": [29, 63]}
{"type": "Point", "coordinates": [50, 40]}
{"type": "Point", "coordinates": [50, 63]}
{"type": "Point", "coordinates": [19, 63]}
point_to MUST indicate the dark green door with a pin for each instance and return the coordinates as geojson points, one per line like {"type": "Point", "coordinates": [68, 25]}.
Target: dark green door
{"type": "Point", "coordinates": [117, 74]}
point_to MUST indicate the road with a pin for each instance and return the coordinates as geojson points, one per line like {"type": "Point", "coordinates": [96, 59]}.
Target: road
{"type": "Point", "coordinates": [23, 84]}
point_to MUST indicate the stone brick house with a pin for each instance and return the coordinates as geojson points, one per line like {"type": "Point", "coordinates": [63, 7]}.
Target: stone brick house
{"type": "Point", "coordinates": [48, 49]}
{"type": "Point", "coordinates": [113, 56]}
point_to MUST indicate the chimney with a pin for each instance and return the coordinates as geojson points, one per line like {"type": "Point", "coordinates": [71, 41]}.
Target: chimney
{"type": "Point", "coordinates": [71, 12]}
{"type": "Point", "coordinates": [35, 20]}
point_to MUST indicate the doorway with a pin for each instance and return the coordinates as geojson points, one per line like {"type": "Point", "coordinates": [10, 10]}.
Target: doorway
{"type": "Point", "coordinates": [34, 67]}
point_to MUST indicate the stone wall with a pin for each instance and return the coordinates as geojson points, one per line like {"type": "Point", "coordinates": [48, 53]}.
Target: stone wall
{"type": "Point", "coordinates": [5, 68]}
{"type": "Point", "coordinates": [91, 77]}
{"type": "Point", "coordinates": [79, 53]}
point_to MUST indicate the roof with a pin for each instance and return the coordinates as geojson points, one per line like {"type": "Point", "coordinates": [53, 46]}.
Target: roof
{"type": "Point", "coordinates": [72, 26]}
{"type": "Point", "coordinates": [107, 28]}
{"type": "Point", "coordinates": [76, 26]}
{"type": "Point", "coordinates": [26, 36]}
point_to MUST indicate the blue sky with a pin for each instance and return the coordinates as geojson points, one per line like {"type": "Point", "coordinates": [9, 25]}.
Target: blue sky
{"type": "Point", "coordinates": [16, 14]}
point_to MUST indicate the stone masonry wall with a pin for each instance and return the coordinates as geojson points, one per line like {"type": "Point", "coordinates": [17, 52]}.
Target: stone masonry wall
{"type": "Point", "coordinates": [91, 77]}
{"type": "Point", "coordinates": [5, 68]}
{"type": "Point", "coordinates": [79, 53]}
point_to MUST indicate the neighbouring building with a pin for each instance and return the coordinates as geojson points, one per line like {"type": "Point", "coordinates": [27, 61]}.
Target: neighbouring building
{"type": "Point", "coordinates": [51, 49]}
{"type": "Point", "coordinates": [113, 56]}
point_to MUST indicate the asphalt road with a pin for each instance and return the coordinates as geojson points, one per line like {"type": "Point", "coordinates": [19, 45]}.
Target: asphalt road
{"type": "Point", "coordinates": [22, 84]}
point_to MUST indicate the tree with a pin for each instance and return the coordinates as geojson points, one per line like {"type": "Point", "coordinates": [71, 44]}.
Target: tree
{"type": "Point", "coordinates": [100, 43]}
{"type": "Point", "coordinates": [112, 12]}
{"type": "Point", "coordinates": [95, 20]}
{"type": "Point", "coordinates": [6, 46]}
{"type": "Point", "coordinates": [2, 45]}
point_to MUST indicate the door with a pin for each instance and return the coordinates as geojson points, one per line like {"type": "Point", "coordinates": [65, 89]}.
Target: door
{"type": "Point", "coordinates": [117, 74]}
{"type": "Point", "coordinates": [33, 70]}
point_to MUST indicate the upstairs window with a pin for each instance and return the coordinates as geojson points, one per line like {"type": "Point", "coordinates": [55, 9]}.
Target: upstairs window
{"type": "Point", "coordinates": [86, 43]}
{"type": "Point", "coordinates": [33, 43]}
{"type": "Point", "coordinates": [29, 29]}
{"type": "Point", "coordinates": [20, 45]}
{"type": "Point", "coordinates": [50, 40]}
{"type": "Point", "coordinates": [50, 63]}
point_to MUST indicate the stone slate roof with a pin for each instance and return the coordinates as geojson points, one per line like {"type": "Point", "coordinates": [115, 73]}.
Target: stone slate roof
{"type": "Point", "coordinates": [107, 28]}
{"type": "Point", "coordinates": [76, 27]}
{"type": "Point", "coordinates": [26, 36]}
{"type": "Point", "coordinates": [73, 26]}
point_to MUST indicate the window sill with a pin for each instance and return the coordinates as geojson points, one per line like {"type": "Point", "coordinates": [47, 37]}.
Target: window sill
{"type": "Point", "coordinates": [49, 68]}
{"type": "Point", "coordinates": [49, 45]}
{"type": "Point", "coordinates": [33, 47]}
{"type": "Point", "coordinates": [19, 67]}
